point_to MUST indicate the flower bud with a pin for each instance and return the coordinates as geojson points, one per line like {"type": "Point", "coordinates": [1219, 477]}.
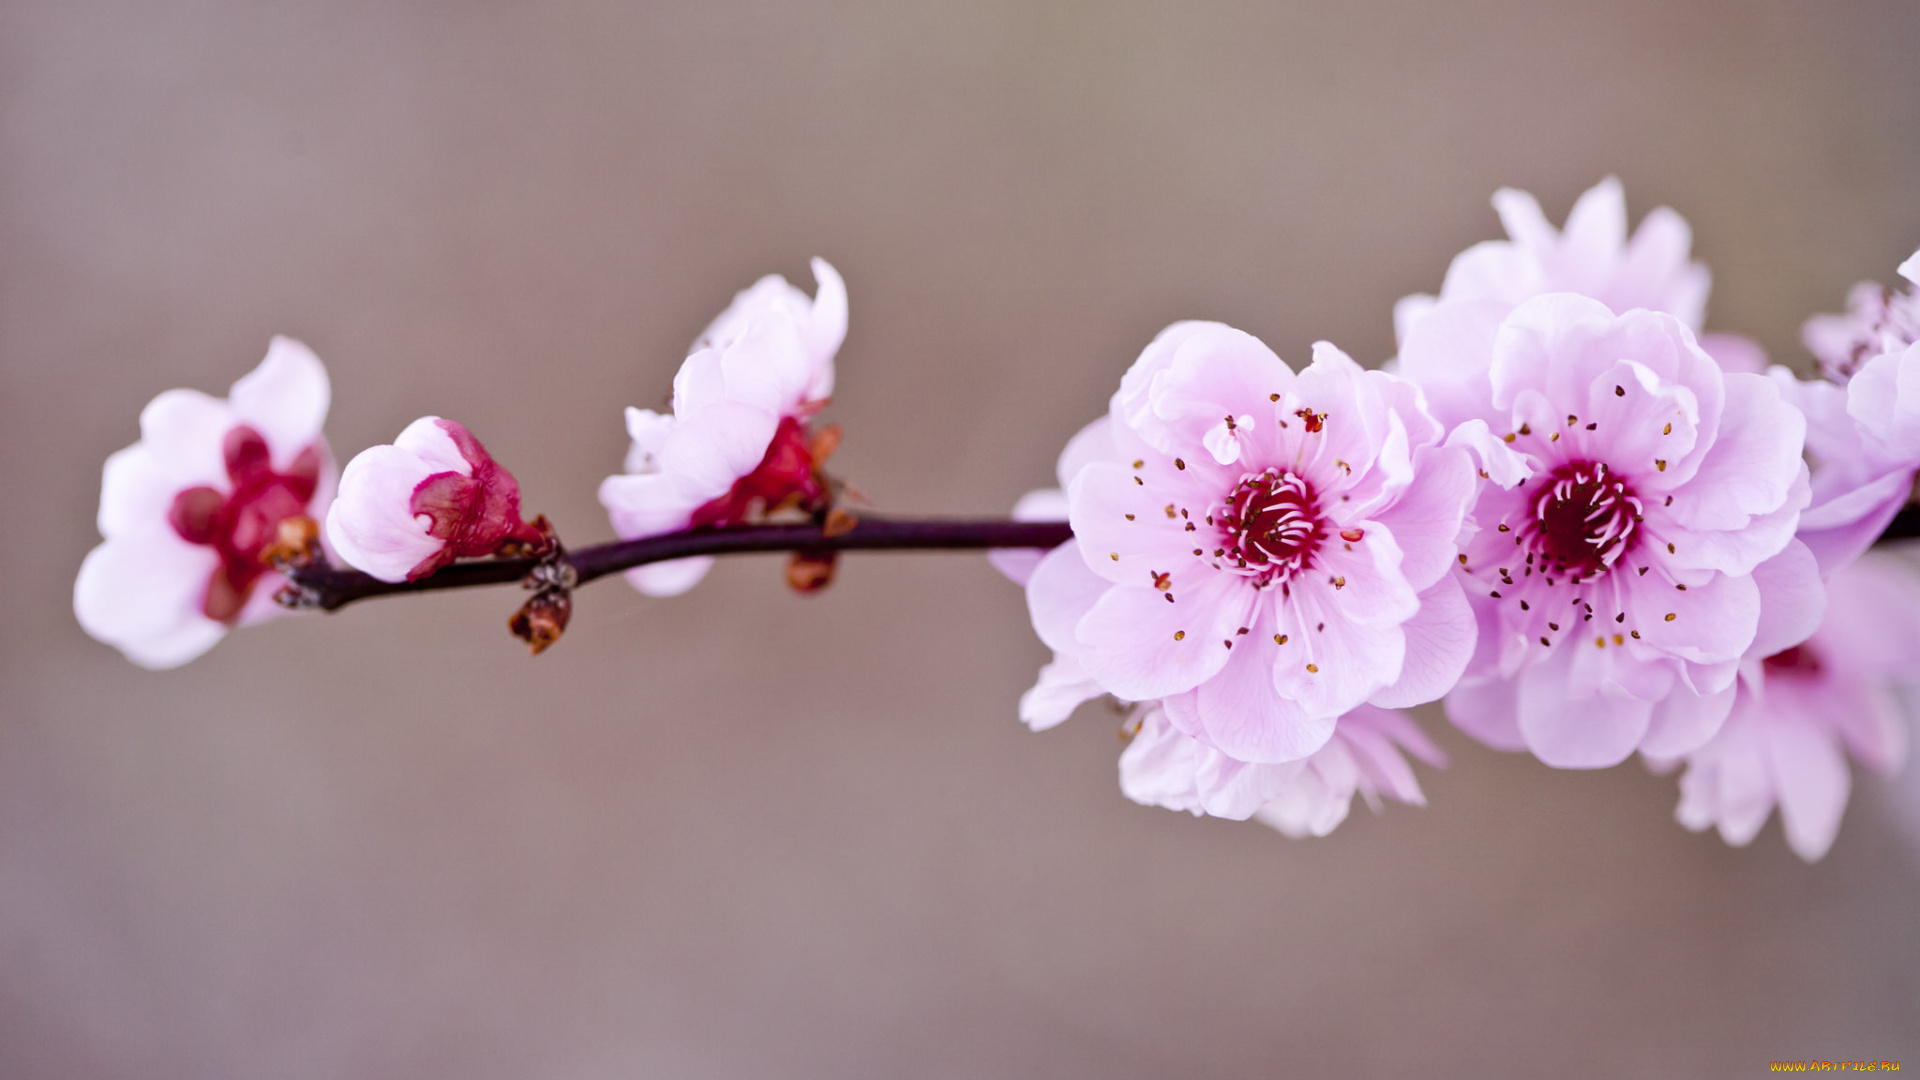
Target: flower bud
{"type": "Point", "coordinates": [435, 495]}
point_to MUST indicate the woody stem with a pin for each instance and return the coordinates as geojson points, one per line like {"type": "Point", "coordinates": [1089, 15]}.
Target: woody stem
{"type": "Point", "coordinates": [328, 588]}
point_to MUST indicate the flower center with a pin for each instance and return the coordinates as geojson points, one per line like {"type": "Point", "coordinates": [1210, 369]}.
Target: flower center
{"type": "Point", "coordinates": [787, 477]}
{"type": "Point", "coordinates": [1271, 525]}
{"type": "Point", "coordinates": [1584, 519]}
{"type": "Point", "coordinates": [242, 524]}
{"type": "Point", "coordinates": [1797, 661]}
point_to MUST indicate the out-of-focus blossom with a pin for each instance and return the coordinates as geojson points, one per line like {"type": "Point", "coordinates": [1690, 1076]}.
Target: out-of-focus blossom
{"type": "Point", "coordinates": [1592, 256]}
{"type": "Point", "coordinates": [1163, 766]}
{"type": "Point", "coordinates": [190, 512]}
{"type": "Point", "coordinates": [1863, 420]}
{"type": "Point", "coordinates": [1260, 551]}
{"type": "Point", "coordinates": [1878, 320]}
{"type": "Point", "coordinates": [1613, 588]}
{"type": "Point", "coordinates": [737, 443]}
{"type": "Point", "coordinates": [1803, 707]}
{"type": "Point", "coordinates": [433, 496]}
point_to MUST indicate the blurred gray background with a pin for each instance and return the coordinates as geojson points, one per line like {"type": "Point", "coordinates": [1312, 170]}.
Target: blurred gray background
{"type": "Point", "coordinates": [742, 833]}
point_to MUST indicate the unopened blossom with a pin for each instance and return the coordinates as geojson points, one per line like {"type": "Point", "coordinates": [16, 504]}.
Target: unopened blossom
{"type": "Point", "coordinates": [433, 496]}
{"type": "Point", "coordinates": [191, 512]}
{"type": "Point", "coordinates": [1593, 256]}
{"type": "Point", "coordinates": [1163, 766]}
{"type": "Point", "coordinates": [1260, 551]}
{"type": "Point", "coordinates": [737, 443]}
{"type": "Point", "coordinates": [1878, 320]}
{"type": "Point", "coordinates": [1613, 586]}
{"type": "Point", "coordinates": [1804, 708]}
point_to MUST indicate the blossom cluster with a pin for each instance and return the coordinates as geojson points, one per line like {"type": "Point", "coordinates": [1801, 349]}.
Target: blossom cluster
{"type": "Point", "coordinates": [1584, 526]}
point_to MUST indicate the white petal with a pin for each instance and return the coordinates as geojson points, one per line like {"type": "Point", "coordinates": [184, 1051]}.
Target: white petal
{"type": "Point", "coordinates": [670, 578]}
{"type": "Point", "coordinates": [435, 450]}
{"type": "Point", "coordinates": [285, 399]}
{"type": "Point", "coordinates": [134, 492]}
{"type": "Point", "coordinates": [371, 525]}
{"type": "Point", "coordinates": [716, 446]}
{"type": "Point", "coordinates": [142, 592]}
{"type": "Point", "coordinates": [185, 431]}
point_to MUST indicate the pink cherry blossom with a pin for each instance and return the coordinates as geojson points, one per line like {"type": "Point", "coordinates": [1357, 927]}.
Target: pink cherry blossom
{"type": "Point", "coordinates": [1592, 256]}
{"type": "Point", "coordinates": [1802, 709]}
{"type": "Point", "coordinates": [190, 510]}
{"type": "Point", "coordinates": [737, 442]}
{"type": "Point", "coordinates": [1878, 320]}
{"type": "Point", "coordinates": [1613, 586]}
{"type": "Point", "coordinates": [1863, 421]}
{"type": "Point", "coordinates": [1163, 766]}
{"type": "Point", "coordinates": [434, 495]}
{"type": "Point", "coordinates": [1261, 551]}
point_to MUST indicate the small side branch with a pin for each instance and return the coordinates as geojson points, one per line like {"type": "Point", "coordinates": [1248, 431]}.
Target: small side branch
{"type": "Point", "coordinates": [329, 589]}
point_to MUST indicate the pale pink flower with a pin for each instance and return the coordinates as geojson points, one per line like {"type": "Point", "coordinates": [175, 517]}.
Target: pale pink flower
{"type": "Point", "coordinates": [1878, 320]}
{"type": "Point", "coordinates": [1592, 256]}
{"type": "Point", "coordinates": [736, 443]}
{"type": "Point", "coordinates": [1163, 766]}
{"type": "Point", "coordinates": [1261, 551]}
{"type": "Point", "coordinates": [190, 510]}
{"type": "Point", "coordinates": [433, 496]}
{"type": "Point", "coordinates": [1613, 587]}
{"type": "Point", "coordinates": [1805, 706]}
{"type": "Point", "coordinates": [1863, 421]}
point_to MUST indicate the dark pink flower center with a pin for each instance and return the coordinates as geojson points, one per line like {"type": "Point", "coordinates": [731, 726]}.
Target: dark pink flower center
{"type": "Point", "coordinates": [786, 477]}
{"type": "Point", "coordinates": [241, 524]}
{"type": "Point", "coordinates": [1797, 662]}
{"type": "Point", "coordinates": [1271, 524]}
{"type": "Point", "coordinates": [1584, 519]}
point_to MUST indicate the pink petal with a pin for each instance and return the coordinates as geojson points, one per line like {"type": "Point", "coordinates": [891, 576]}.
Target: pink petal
{"type": "Point", "coordinates": [1059, 594]}
{"type": "Point", "coordinates": [1062, 687]}
{"type": "Point", "coordinates": [1139, 646]}
{"type": "Point", "coordinates": [1440, 639]}
{"type": "Point", "coordinates": [1684, 720]}
{"type": "Point", "coordinates": [1245, 717]}
{"type": "Point", "coordinates": [1792, 600]}
{"type": "Point", "coordinates": [1810, 774]}
{"type": "Point", "coordinates": [1426, 519]}
{"type": "Point", "coordinates": [1489, 710]}
{"type": "Point", "coordinates": [1124, 529]}
{"type": "Point", "coordinates": [1583, 731]}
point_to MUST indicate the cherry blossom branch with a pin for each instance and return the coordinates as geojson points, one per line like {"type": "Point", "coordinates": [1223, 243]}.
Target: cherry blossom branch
{"type": "Point", "coordinates": [329, 589]}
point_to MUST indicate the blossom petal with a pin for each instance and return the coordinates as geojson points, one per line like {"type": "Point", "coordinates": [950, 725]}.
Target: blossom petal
{"type": "Point", "coordinates": [1489, 710]}
{"type": "Point", "coordinates": [141, 591]}
{"type": "Point", "coordinates": [1684, 720]}
{"type": "Point", "coordinates": [1245, 717]}
{"type": "Point", "coordinates": [645, 505]}
{"type": "Point", "coordinates": [1426, 519]}
{"type": "Point", "coordinates": [1586, 731]}
{"type": "Point", "coordinates": [715, 446]}
{"type": "Point", "coordinates": [1440, 640]}
{"type": "Point", "coordinates": [372, 525]}
{"type": "Point", "coordinates": [669, 578]}
{"type": "Point", "coordinates": [826, 328]}
{"type": "Point", "coordinates": [184, 431]}
{"type": "Point", "coordinates": [285, 399]}
{"type": "Point", "coordinates": [1059, 594]}
{"type": "Point", "coordinates": [1810, 776]}
{"type": "Point", "coordinates": [1062, 687]}
{"type": "Point", "coordinates": [1139, 646]}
